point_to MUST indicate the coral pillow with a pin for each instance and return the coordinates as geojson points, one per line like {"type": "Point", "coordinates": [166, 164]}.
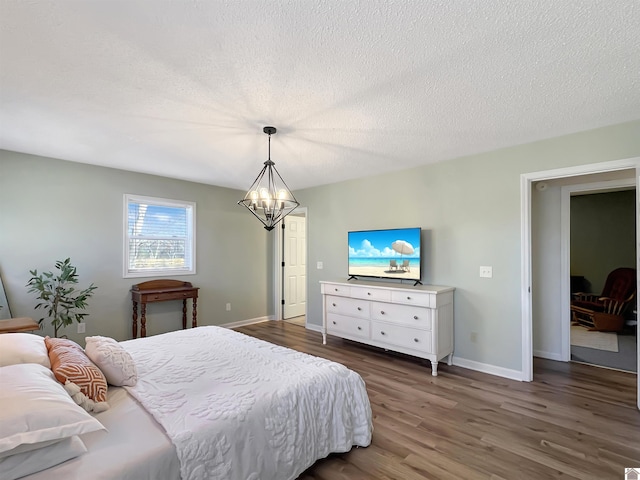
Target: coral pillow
{"type": "Point", "coordinates": [113, 360]}
{"type": "Point", "coordinates": [82, 379]}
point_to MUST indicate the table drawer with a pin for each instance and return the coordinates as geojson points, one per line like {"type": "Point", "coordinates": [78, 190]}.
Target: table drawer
{"type": "Point", "coordinates": [408, 297]}
{"type": "Point", "coordinates": [347, 306]}
{"type": "Point", "coordinates": [402, 314]}
{"type": "Point", "coordinates": [401, 336]}
{"type": "Point", "coordinates": [343, 325]}
{"type": "Point", "coordinates": [161, 297]}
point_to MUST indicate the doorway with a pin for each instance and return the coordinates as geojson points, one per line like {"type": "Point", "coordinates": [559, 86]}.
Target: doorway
{"type": "Point", "coordinates": [560, 291]}
{"type": "Point", "coordinates": [294, 268]}
{"type": "Point", "coordinates": [602, 222]}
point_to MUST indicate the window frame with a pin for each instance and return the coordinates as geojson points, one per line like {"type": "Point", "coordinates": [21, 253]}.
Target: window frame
{"type": "Point", "coordinates": [190, 208]}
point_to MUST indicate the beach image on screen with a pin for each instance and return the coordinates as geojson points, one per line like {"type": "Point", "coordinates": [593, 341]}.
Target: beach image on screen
{"type": "Point", "coordinates": [385, 253]}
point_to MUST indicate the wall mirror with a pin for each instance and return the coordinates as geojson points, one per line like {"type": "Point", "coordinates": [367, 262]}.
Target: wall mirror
{"type": "Point", "coordinates": [5, 311]}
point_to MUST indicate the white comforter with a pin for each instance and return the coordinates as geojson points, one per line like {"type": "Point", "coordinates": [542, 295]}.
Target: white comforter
{"type": "Point", "coordinates": [240, 408]}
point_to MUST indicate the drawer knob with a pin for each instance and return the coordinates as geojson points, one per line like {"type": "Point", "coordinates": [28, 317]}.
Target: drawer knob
{"type": "Point", "coordinates": [359, 328]}
{"type": "Point", "coordinates": [382, 312]}
{"type": "Point", "coordinates": [333, 304]}
{"type": "Point", "coordinates": [408, 298]}
{"type": "Point", "coordinates": [368, 293]}
{"type": "Point", "coordinates": [334, 322]}
{"type": "Point", "coordinates": [416, 340]}
{"type": "Point", "coordinates": [359, 309]}
{"type": "Point", "coordinates": [415, 317]}
{"type": "Point", "coordinates": [382, 333]}
{"type": "Point", "coordinates": [336, 289]}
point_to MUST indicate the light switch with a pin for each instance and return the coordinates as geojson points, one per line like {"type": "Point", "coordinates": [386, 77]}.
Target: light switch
{"type": "Point", "coordinates": [320, 266]}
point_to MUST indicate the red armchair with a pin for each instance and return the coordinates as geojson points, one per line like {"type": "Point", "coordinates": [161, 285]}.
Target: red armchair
{"type": "Point", "coordinates": [605, 312]}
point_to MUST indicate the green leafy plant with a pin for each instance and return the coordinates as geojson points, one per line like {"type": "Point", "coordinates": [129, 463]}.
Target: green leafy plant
{"type": "Point", "coordinates": [59, 296]}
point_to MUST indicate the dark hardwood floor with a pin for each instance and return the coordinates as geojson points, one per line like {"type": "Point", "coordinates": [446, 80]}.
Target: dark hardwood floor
{"type": "Point", "coordinates": [572, 421]}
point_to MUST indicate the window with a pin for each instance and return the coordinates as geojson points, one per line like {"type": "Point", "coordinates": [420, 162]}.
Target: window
{"type": "Point", "coordinates": [159, 237]}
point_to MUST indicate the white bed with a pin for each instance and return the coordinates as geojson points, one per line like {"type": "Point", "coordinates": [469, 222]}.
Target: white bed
{"type": "Point", "coordinates": [133, 447]}
{"type": "Point", "coordinates": [211, 403]}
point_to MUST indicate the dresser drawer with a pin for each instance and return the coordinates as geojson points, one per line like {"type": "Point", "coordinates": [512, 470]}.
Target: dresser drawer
{"type": "Point", "coordinates": [335, 289]}
{"type": "Point", "coordinates": [371, 294]}
{"type": "Point", "coordinates": [407, 297]}
{"type": "Point", "coordinates": [347, 306]}
{"type": "Point", "coordinates": [401, 336]}
{"type": "Point", "coordinates": [342, 325]}
{"type": "Point", "coordinates": [416, 317]}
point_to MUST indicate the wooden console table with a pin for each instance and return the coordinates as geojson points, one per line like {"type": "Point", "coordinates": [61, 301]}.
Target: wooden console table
{"type": "Point", "coordinates": [162, 291]}
{"type": "Point", "coordinates": [19, 324]}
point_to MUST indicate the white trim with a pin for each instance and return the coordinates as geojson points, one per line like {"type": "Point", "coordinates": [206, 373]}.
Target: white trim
{"type": "Point", "coordinates": [526, 281]}
{"type": "Point", "coordinates": [250, 321]}
{"type": "Point", "coordinates": [566, 192]}
{"type": "Point", "coordinates": [191, 227]}
{"type": "Point", "coordinates": [526, 180]}
{"type": "Point", "coordinates": [277, 273]}
{"type": "Point", "coordinates": [487, 368]}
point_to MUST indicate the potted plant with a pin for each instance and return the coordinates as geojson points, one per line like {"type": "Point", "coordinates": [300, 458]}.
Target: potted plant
{"type": "Point", "coordinates": [59, 296]}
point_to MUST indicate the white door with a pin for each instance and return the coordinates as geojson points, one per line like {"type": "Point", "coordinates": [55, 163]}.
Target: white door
{"type": "Point", "coordinates": [295, 267]}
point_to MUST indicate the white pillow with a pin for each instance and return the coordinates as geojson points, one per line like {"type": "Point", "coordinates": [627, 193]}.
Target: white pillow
{"type": "Point", "coordinates": [26, 463]}
{"type": "Point", "coordinates": [23, 348]}
{"type": "Point", "coordinates": [35, 408]}
{"type": "Point", "coordinates": [113, 360]}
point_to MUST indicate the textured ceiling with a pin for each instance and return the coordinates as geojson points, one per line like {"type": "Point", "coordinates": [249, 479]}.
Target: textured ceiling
{"type": "Point", "coordinates": [183, 88]}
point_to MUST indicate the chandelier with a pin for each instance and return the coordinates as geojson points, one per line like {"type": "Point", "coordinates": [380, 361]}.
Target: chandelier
{"type": "Point", "coordinates": [269, 198]}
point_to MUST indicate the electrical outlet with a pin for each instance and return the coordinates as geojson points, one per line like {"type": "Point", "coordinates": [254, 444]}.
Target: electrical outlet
{"type": "Point", "coordinates": [82, 327]}
{"type": "Point", "coordinates": [486, 272]}
{"type": "Point", "coordinates": [228, 307]}
{"type": "Point", "coordinates": [319, 265]}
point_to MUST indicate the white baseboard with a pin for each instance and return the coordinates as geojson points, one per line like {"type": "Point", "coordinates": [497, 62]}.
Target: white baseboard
{"type": "Point", "coordinates": [251, 321]}
{"type": "Point", "coordinates": [487, 368]}
{"type": "Point", "coordinates": [548, 355]}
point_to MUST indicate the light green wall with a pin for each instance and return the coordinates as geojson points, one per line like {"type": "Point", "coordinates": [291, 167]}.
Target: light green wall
{"type": "Point", "coordinates": [470, 211]}
{"type": "Point", "coordinates": [52, 209]}
{"type": "Point", "coordinates": [603, 235]}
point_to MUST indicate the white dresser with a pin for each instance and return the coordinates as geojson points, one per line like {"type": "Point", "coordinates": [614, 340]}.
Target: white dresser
{"type": "Point", "coordinates": [413, 320]}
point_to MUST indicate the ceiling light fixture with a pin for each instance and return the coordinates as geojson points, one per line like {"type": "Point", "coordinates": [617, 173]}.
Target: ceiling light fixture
{"type": "Point", "coordinates": [269, 198]}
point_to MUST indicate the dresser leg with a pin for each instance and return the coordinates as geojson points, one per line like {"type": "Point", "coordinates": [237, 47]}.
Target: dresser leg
{"type": "Point", "coordinates": [434, 368]}
{"type": "Point", "coordinates": [450, 359]}
{"type": "Point", "coordinates": [324, 338]}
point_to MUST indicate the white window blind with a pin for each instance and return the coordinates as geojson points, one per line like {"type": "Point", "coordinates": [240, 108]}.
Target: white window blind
{"type": "Point", "coordinates": [159, 237]}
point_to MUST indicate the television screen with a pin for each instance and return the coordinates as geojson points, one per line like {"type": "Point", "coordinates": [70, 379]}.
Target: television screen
{"type": "Point", "coordinates": [392, 253]}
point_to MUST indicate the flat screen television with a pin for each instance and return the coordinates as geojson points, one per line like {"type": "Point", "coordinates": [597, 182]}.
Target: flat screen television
{"type": "Point", "coordinates": [392, 253]}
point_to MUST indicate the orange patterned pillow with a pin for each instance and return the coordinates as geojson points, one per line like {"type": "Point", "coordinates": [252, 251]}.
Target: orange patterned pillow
{"type": "Point", "coordinates": [81, 378]}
